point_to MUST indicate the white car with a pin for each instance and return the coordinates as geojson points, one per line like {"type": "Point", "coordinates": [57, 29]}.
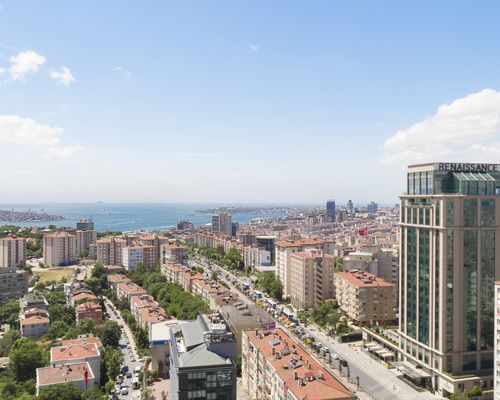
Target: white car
{"type": "Point", "coordinates": [335, 356]}
{"type": "Point", "coordinates": [124, 391]}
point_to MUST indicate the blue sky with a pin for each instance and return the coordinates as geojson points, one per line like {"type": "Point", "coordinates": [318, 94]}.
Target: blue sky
{"type": "Point", "coordinates": [259, 101]}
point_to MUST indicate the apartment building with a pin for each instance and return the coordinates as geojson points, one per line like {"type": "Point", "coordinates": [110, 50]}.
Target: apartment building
{"type": "Point", "coordinates": [59, 249]}
{"type": "Point", "coordinates": [202, 355]}
{"type": "Point", "coordinates": [115, 279]}
{"type": "Point", "coordinates": [176, 253]}
{"type": "Point", "coordinates": [383, 262]}
{"type": "Point", "coordinates": [12, 251]}
{"type": "Point", "coordinates": [365, 297]}
{"type": "Point", "coordinates": [13, 284]}
{"type": "Point", "coordinates": [78, 353]}
{"type": "Point", "coordinates": [127, 290]}
{"type": "Point", "coordinates": [33, 300]}
{"type": "Point", "coordinates": [311, 278]}
{"type": "Point", "coordinates": [284, 250]}
{"type": "Point", "coordinates": [131, 256]}
{"type": "Point", "coordinates": [109, 250]}
{"type": "Point", "coordinates": [84, 239]}
{"type": "Point", "coordinates": [274, 366]}
{"type": "Point", "coordinates": [79, 373]}
{"type": "Point", "coordinates": [90, 310]}
{"type": "Point", "coordinates": [157, 242]}
{"type": "Point", "coordinates": [35, 325]}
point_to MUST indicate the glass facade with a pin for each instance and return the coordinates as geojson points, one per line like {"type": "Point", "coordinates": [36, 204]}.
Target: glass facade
{"type": "Point", "coordinates": [423, 285]}
{"type": "Point", "coordinates": [411, 289]}
{"type": "Point", "coordinates": [470, 212]}
{"type": "Point", "coordinates": [487, 288]}
{"type": "Point", "coordinates": [488, 212]}
{"type": "Point", "coordinates": [449, 291]}
{"type": "Point", "coordinates": [469, 292]}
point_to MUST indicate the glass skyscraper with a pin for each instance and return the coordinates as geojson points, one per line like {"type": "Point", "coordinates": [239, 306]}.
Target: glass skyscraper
{"type": "Point", "coordinates": [449, 225]}
{"type": "Point", "coordinates": [330, 210]}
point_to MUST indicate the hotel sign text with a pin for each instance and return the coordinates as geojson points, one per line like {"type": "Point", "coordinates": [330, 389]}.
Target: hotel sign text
{"type": "Point", "coordinates": [468, 167]}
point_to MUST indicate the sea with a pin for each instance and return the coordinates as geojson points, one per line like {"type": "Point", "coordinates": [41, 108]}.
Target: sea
{"type": "Point", "coordinates": [127, 217]}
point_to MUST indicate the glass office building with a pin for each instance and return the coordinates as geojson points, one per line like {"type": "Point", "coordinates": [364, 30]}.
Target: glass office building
{"type": "Point", "coordinates": [449, 262]}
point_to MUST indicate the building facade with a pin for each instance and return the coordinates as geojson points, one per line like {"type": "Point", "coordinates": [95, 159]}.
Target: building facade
{"type": "Point", "coordinates": [84, 239]}
{"type": "Point", "coordinates": [109, 250]}
{"type": "Point", "coordinates": [12, 251]}
{"type": "Point", "coordinates": [131, 256]}
{"type": "Point", "coordinates": [222, 224]}
{"type": "Point", "coordinates": [13, 284]}
{"type": "Point", "coordinates": [59, 249]}
{"type": "Point", "coordinates": [450, 259]}
{"type": "Point", "coordinates": [497, 342]}
{"type": "Point", "coordinates": [330, 210]}
{"type": "Point", "coordinates": [311, 278]}
{"type": "Point", "coordinates": [364, 297]}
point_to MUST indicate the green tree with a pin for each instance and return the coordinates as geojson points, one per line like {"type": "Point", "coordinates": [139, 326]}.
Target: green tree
{"type": "Point", "coordinates": [339, 263]}
{"type": "Point", "coordinates": [7, 340]}
{"type": "Point", "coordinates": [112, 360]}
{"type": "Point", "coordinates": [25, 357]}
{"type": "Point", "coordinates": [95, 286]}
{"type": "Point", "coordinates": [86, 326]}
{"type": "Point", "coordinates": [270, 283]}
{"type": "Point", "coordinates": [64, 391]}
{"type": "Point", "coordinates": [109, 333]}
{"type": "Point", "coordinates": [9, 312]}
{"type": "Point", "coordinates": [57, 329]}
{"type": "Point", "coordinates": [141, 338]}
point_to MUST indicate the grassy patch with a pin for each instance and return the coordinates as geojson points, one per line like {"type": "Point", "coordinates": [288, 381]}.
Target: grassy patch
{"type": "Point", "coordinates": [55, 274]}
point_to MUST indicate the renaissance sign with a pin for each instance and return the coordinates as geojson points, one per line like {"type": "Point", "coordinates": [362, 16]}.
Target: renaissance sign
{"type": "Point", "coordinates": [468, 167]}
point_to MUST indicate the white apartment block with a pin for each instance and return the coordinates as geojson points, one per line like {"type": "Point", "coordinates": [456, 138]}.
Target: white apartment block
{"type": "Point", "coordinates": [131, 256]}
{"type": "Point", "coordinates": [12, 251]}
{"type": "Point", "coordinates": [284, 251]}
{"type": "Point", "coordinates": [59, 249]}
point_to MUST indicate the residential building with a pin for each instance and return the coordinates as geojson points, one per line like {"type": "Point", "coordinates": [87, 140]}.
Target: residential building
{"type": "Point", "coordinates": [127, 290]}
{"type": "Point", "coordinates": [379, 261]}
{"type": "Point", "coordinates": [450, 233]}
{"type": "Point", "coordinates": [131, 256]}
{"type": "Point", "coordinates": [12, 251]}
{"type": "Point", "coordinates": [284, 250]}
{"type": "Point", "coordinates": [222, 224]}
{"type": "Point", "coordinates": [115, 279]}
{"type": "Point", "coordinates": [155, 241]}
{"type": "Point", "coordinates": [109, 250]}
{"type": "Point", "coordinates": [13, 284]}
{"type": "Point", "coordinates": [274, 366]}
{"type": "Point", "coordinates": [83, 340]}
{"type": "Point", "coordinates": [90, 310]}
{"type": "Point", "coordinates": [150, 255]}
{"type": "Point", "coordinates": [84, 297]}
{"type": "Point", "coordinates": [202, 355]}
{"type": "Point", "coordinates": [31, 300]}
{"type": "Point", "coordinates": [184, 225]}
{"type": "Point", "coordinates": [159, 338]}
{"type": "Point", "coordinates": [59, 249]}
{"type": "Point", "coordinates": [311, 278]}
{"type": "Point", "coordinates": [35, 326]}
{"type": "Point", "coordinates": [78, 353]}
{"type": "Point", "coordinates": [330, 211]}
{"type": "Point", "coordinates": [84, 239]}
{"type": "Point", "coordinates": [364, 297]}
{"type": "Point", "coordinates": [79, 373]}
{"type": "Point", "coordinates": [176, 253]}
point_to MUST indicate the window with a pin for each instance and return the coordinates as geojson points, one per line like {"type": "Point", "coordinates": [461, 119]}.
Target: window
{"type": "Point", "coordinates": [488, 212]}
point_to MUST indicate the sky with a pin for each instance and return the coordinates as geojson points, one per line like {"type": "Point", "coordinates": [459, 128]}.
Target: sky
{"type": "Point", "coordinates": [249, 102]}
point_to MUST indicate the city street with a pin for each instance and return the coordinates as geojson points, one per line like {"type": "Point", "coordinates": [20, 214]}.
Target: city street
{"type": "Point", "coordinates": [130, 356]}
{"type": "Point", "coordinates": [376, 380]}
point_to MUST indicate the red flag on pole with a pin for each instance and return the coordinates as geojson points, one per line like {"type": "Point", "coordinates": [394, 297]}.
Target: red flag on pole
{"type": "Point", "coordinates": [86, 377]}
{"type": "Point", "coordinates": [363, 232]}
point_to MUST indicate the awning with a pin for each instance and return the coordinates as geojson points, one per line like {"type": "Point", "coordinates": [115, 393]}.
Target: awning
{"type": "Point", "coordinates": [369, 345]}
{"type": "Point", "coordinates": [410, 370]}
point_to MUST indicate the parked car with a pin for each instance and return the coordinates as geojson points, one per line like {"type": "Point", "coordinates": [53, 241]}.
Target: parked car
{"type": "Point", "coordinates": [129, 374]}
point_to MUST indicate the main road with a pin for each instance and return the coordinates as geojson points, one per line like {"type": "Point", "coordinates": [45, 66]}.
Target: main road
{"type": "Point", "coordinates": [376, 380]}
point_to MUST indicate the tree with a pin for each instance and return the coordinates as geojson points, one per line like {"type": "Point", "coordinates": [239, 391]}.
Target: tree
{"type": "Point", "coordinates": [25, 357]}
{"type": "Point", "coordinates": [86, 326]}
{"type": "Point", "coordinates": [270, 283]}
{"type": "Point", "coordinates": [57, 329]}
{"type": "Point", "coordinates": [7, 340]}
{"type": "Point", "coordinates": [63, 391]}
{"type": "Point", "coordinates": [112, 360]}
{"type": "Point", "coordinates": [9, 312]}
{"type": "Point", "coordinates": [94, 285]}
{"type": "Point", "coordinates": [141, 338]}
{"type": "Point", "coordinates": [339, 263]}
{"type": "Point", "coordinates": [110, 334]}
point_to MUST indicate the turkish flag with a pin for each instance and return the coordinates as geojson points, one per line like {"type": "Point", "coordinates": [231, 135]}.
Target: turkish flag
{"type": "Point", "coordinates": [86, 377]}
{"type": "Point", "coordinates": [363, 232]}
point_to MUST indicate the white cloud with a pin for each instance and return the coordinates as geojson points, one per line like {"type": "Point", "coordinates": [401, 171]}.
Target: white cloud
{"type": "Point", "coordinates": [63, 77]}
{"type": "Point", "coordinates": [3, 70]}
{"type": "Point", "coordinates": [253, 48]}
{"type": "Point", "coordinates": [25, 63]}
{"type": "Point", "coordinates": [467, 129]}
{"type": "Point", "coordinates": [62, 152]}
{"type": "Point", "coordinates": [122, 70]}
{"type": "Point", "coordinates": [28, 133]}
